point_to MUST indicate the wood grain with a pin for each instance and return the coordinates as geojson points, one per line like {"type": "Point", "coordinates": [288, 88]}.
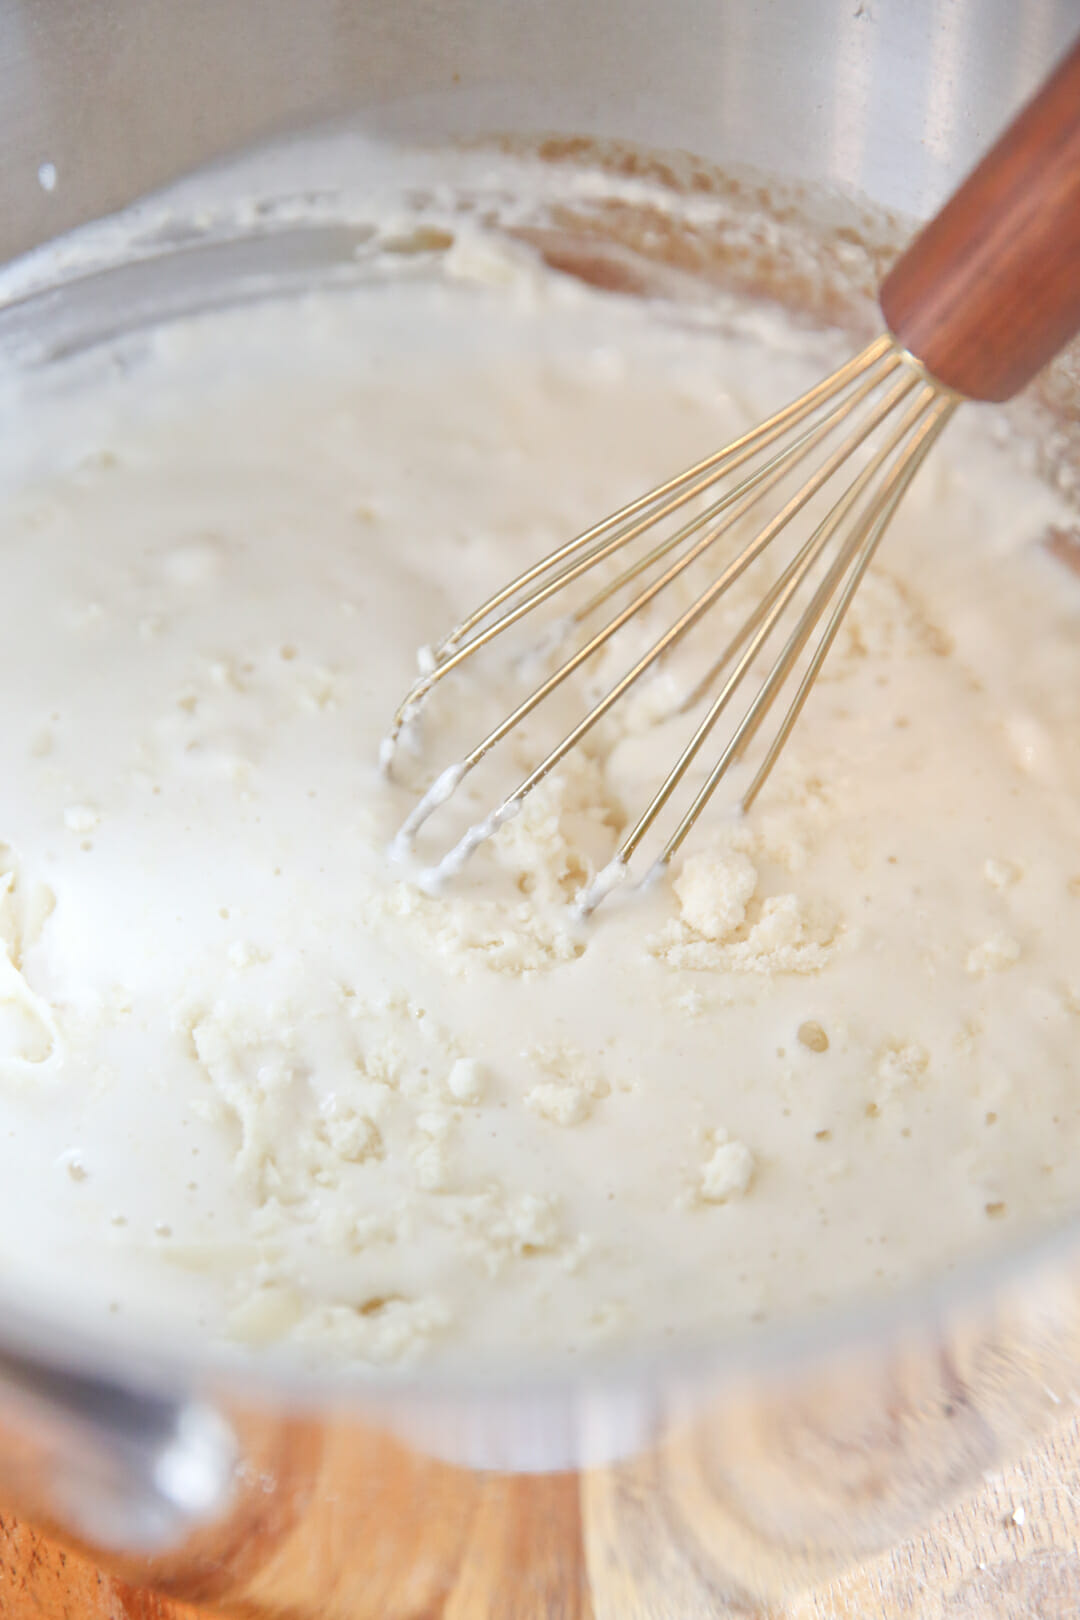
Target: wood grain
{"type": "Point", "coordinates": [746, 1493]}
{"type": "Point", "coordinates": [1008, 1551]}
{"type": "Point", "coordinates": [990, 289]}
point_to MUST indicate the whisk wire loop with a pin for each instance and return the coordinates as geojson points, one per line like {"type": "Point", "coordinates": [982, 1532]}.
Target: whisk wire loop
{"type": "Point", "coordinates": [930, 417]}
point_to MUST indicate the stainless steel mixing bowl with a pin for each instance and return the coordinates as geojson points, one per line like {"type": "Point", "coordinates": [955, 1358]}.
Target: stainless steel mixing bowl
{"type": "Point", "coordinates": [654, 1485]}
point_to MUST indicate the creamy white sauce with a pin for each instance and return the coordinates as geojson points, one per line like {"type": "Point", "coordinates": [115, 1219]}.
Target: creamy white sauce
{"type": "Point", "coordinates": [258, 1084]}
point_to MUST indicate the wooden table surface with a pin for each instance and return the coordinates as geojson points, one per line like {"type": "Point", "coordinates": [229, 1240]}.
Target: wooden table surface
{"type": "Point", "coordinates": [1011, 1551]}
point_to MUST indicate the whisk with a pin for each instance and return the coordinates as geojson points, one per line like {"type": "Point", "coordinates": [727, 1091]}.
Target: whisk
{"type": "Point", "coordinates": [977, 305]}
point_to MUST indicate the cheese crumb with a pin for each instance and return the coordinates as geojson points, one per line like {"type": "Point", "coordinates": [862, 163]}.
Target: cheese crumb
{"type": "Point", "coordinates": [900, 1066]}
{"type": "Point", "coordinates": [728, 1173]}
{"type": "Point", "coordinates": [713, 892]}
{"type": "Point", "coordinates": [562, 1104]}
{"type": "Point", "coordinates": [465, 1082]}
{"type": "Point", "coordinates": [379, 1330]}
{"type": "Point", "coordinates": [429, 1156]}
{"type": "Point", "coordinates": [572, 1083]}
{"type": "Point", "coordinates": [352, 1136]}
{"type": "Point", "coordinates": [783, 938]}
{"type": "Point", "coordinates": [266, 1315]}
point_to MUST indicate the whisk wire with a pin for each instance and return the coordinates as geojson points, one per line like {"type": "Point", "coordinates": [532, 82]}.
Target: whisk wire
{"type": "Point", "coordinates": [764, 479]}
{"type": "Point", "coordinates": [803, 560]}
{"type": "Point", "coordinates": [877, 361]}
{"type": "Point", "coordinates": [715, 465]}
{"type": "Point", "coordinates": [913, 456]}
{"type": "Point", "coordinates": [756, 629]}
{"type": "Point", "coordinates": [682, 625]}
{"type": "Point", "coordinates": [868, 385]}
{"type": "Point", "coordinates": [861, 544]}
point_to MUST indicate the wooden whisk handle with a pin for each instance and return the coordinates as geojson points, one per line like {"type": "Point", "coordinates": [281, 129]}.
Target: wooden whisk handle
{"type": "Point", "coordinates": [990, 289]}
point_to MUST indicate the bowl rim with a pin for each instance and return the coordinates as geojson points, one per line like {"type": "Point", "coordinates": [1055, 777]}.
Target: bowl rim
{"type": "Point", "coordinates": [35, 292]}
